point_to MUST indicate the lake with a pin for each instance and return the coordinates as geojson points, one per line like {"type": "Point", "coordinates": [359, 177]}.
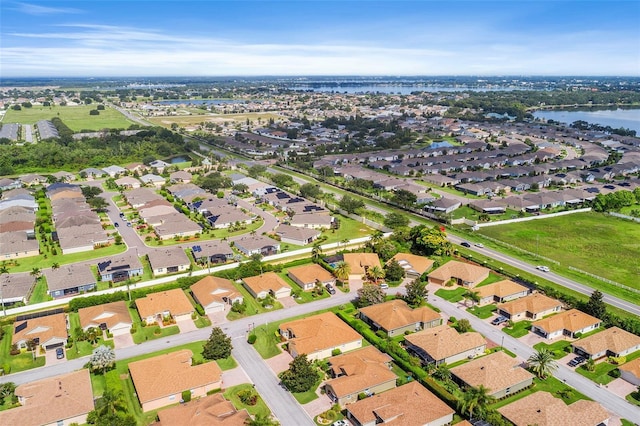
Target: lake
{"type": "Point", "coordinates": [392, 89]}
{"type": "Point", "coordinates": [616, 118]}
{"type": "Point", "coordinates": [201, 102]}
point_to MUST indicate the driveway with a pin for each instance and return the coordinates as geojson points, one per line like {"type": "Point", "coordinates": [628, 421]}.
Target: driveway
{"type": "Point", "coordinates": [531, 339]}
{"type": "Point", "coordinates": [621, 387]}
{"type": "Point", "coordinates": [123, 341]}
{"type": "Point", "coordinates": [279, 363]}
{"type": "Point", "coordinates": [287, 302]}
{"type": "Point", "coordinates": [235, 376]}
{"type": "Point", "coordinates": [50, 357]}
{"type": "Point", "coordinates": [186, 326]}
{"type": "Point", "coordinates": [318, 405]}
{"type": "Point", "coordinates": [218, 318]}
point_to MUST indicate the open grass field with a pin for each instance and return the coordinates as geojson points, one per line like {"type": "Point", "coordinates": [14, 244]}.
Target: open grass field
{"type": "Point", "coordinates": [192, 120]}
{"type": "Point", "coordinates": [602, 245]}
{"type": "Point", "coordinates": [75, 117]}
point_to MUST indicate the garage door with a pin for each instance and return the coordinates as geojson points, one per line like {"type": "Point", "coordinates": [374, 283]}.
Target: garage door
{"type": "Point", "coordinates": [54, 345]}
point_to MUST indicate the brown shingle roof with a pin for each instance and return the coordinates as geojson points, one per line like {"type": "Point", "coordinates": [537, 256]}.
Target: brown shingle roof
{"type": "Point", "coordinates": [572, 320]}
{"type": "Point", "coordinates": [311, 273]}
{"type": "Point", "coordinates": [408, 405]}
{"type": "Point", "coordinates": [613, 339]}
{"type": "Point", "coordinates": [632, 367]}
{"type": "Point", "coordinates": [269, 281]}
{"type": "Point", "coordinates": [533, 303]}
{"type": "Point", "coordinates": [174, 301]}
{"type": "Point", "coordinates": [465, 271]}
{"type": "Point", "coordinates": [501, 289]}
{"type": "Point", "coordinates": [397, 314]}
{"type": "Point", "coordinates": [109, 313]}
{"type": "Point", "coordinates": [412, 262]}
{"type": "Point", "coordinates": [358, 262]}
{"type": "Point", "coordinates": [49, 400]}
{"type": "Point", "coordinates": [44, 328]}
{"type": "Point", "coordinates": [170, 373]}
{"type": "Point", "coordinates": [213, 289]}
{"type": "Point", "coordinates": [443, 341]}
{"type": "Point", "coordinates": [495, 372]}
{"type": "Point", "coordinates": [542, 409]}
{"type": "Point", "coordinates": [210, 410]}
{"type": "Point", "coordinates": [363, 368]}
{"type": "Point", "coordinates": [319, 332]}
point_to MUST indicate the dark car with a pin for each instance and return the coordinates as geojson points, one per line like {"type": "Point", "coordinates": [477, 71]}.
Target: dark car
{"type": "Point", "coordinates": [577, 361]}
{"type": "Point", "coordinates": [465, 244]}
{"type": "Point", "coordinates": [116, 224]}
{"type": "Point", "coordinates": [330, 289]}
{"type": "Point", "coordinates": [59, 353]}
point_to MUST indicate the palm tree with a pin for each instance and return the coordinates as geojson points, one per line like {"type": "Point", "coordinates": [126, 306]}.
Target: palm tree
{"type": "Point", "coordinates": [55, 266]}
{"type": "Point", "coordinates": [542, 363]}
{"type": "Point", "coordinates": [342, 271]}
{"type": "Point", "coordinates": [3, 270]}
{"type": "Point", "coordinates": [36, 272]}
{"type": "Point", "coordinates": [471, 295]}
{"type": "Point", "coordinates": [111, 402]}
{"type": "Point", "coordinates": [375, 273]}
{"type": "Point", "coordinates": [442, 373]}
{"type": "Point", "coordinates": [475, 400]}
{"type": "Point", "coordinates": [375, 239]}
{"type": "Point", "coordinates": [316, 252]}
{"type": "Point", "coordinates": [261, 420]}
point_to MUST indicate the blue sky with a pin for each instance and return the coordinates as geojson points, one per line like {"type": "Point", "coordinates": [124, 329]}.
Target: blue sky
{"type": "Point", "coordinates": [247, 38]}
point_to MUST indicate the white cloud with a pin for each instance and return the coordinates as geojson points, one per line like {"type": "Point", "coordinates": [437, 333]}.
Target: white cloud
{"type": "Point", "coordinates": [33, 9]}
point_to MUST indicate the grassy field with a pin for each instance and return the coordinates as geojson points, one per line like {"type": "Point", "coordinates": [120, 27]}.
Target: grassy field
{"type": "Point", "coordinates": [260, 407]}
{"type": "Point", "coordinates": [75, 117]}
{"type": "Point", "coordinates": [191, 120]}
{"type": "Point", "coordinates": [595, 243]}
{"type": "Point", "coordinates": [15, 363]}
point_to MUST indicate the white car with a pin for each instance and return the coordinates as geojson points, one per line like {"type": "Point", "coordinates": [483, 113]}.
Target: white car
{"type": "Point", "coordinates": [384, 286]}
{"type": "Point", "coordinates": [543, 268]}
{"type": "Point", "coordinates": [479, 245]}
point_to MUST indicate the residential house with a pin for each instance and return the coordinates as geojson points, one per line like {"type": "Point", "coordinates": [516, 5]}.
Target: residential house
{"type": "Point", "coordinates": [114, 171]}
{"type": "Point", "coordinates": [211, 410]}
{"type": "Point", "coordinates": [168, 260]}
{"type": "Point", "coordinates": [266, 284]}
{"type": "Point", "coordinates": [297, 235]}
{"type": "Point", "coordinates": [175, 225]}
{"type": "Point", "coordinates": [308, 276]}
{"type": "Point", "coordinates": [48, 332]}
{"type": "Point", "coordinates": [154, 307]}
{"type": "Point", "coordinates": [257, 244]}
{"type": "Point", "coordinates": [414, 266]}
{"type": "Point", "coordinates": [444, 345]}
{"type": "Point", "coordinates": [113, 317]}
{"type": "Point", "coordinates": [359, 263]}
{"type": "Point", "coordinates": [62, 400]}
{"type": "Point", "coordinates": [120, 268]}
{"type": "Point", "coordinates": [128, 182]}
{"type": "Point", "coordinates": [32, 180]}
{"type": "Point", "coordinates": [362, 371]}
{"type": "Point", "coordinates": [153, 180]}
{"type": "Point", "coordinates": [159, 165]}
{"type": "Point", "coordinates": [464, 274]}
{"type": "Point", "coordinates": [500, 374]}
{"type": "Point", "coordinates": [500, 292]}
{"type": "Point", "coordinates": [532, 307]}
{"type": "Point", "coordinates": [631, 372]}
{"type": "Point", "coordinates": [613, 341]}
{"type": "Point", "coordinates": [160, 381]}
{"type": "Point", "coordinates": [91, 173]}
{"type": "Point", "coordinates": [181, 176]}
{"type": "Point", "coordinates": [570, 323]}
{"type": "Point", "coordinates": [407, 405]}
{"type": "Point", "coordinates": [318, 336]}
{"type": "Point", "coordinates": [15, 288]}
{"type": "Point", "coordinates": [543, 409]}
{"type": "Point", "coordinates": [443, 205]}
{"type": "Point", "coordinates": [69, 280]}
{"type": "Point", "coordinates": [18, 244]}
{"type": "Point", "coordinates": [215, 294]}
{"type": "Point", "coordinates": [313, 221]}
{"type": "Point", "coordinates": [395, 317]}
{"type": "Point", "coordinates": [212, 252]}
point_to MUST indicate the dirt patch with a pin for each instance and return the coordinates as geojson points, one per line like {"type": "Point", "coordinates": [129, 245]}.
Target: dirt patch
{"type": "Point", "coordinates": [124, 376]}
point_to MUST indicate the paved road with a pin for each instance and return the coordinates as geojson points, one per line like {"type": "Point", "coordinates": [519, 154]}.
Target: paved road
{"type": "Point", "coordinates": [565, 282]}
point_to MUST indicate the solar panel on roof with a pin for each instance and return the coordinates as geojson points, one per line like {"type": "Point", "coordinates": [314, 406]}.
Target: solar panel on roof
{"type": "Point", "coordinates": [103, 265]}
{"type": "Point", "coordinates": [20, 327]}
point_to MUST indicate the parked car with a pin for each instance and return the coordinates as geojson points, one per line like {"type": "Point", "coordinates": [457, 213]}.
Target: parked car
{"type": "Point", "coordinates": [129, 224]}
{"type": "Point", "coordinates": [384, 286]}
{"type": "Point", "coordinates": [465, 244]}
{"type": "Point", "coordinates": [116, 224]}
{"type": "Point", "coordinates": [340, 423]}
{"type": "Point", "coordinates": [59, 353]}
{"type": "Point", "coordinates": [499, 320]}
{"type": "Point", "coordinates": [479, 245]}
{"type": "Point", "coordinates": [330, 289]}
{"type": "Point", "coordinates": [577, 361]}
{"type": "Point", "coordinates": [543, 268]}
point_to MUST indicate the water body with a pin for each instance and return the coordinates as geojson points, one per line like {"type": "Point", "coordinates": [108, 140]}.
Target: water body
{"type": "Point", "coordinates": [615, 118]}
{"type": "Point", "coordinates": [396, 89]}
{"type": "Point", "coordinates": [201, 102]}
{"type": "Point", "coordinates": [181, 159]}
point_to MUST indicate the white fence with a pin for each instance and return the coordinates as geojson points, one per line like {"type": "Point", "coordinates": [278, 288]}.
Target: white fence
{"type": "Point", "coordinates": [525, 219]}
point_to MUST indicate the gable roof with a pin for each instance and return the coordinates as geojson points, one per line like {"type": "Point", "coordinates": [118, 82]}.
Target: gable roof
{"type": "Point", "coordinates": [43, 328]}
{"type": "Point", "coordinates": [296, 232]}
{"type": "Point", "coordinates": [69, 276]}
{"type": "Point", "coordinates": [269, 281]}
{"type": "Point", "coordinates": [174, 301]}
{"type": "Point", "coordinates": [319, 332]}
{"type": "Point", "coordinates": [212, 289]}
{"type": "Point", "coordinates": [109, 313]}
{"type": "Point", "coordinates": [310, 273]}
{"type": "Point", "coordinates": [210, 410]}
{"type": "Point", "coordinates": [572, 320]}
{"type": "Point", "coordinates": [397, 314]}
{"type": "Point", "coordinates": [443, 341]}
{"type": "Point", "coordinates": [613, 339]}
{"type": "Point", "coordinates": [496, 371]}
{"type": "Point", "coordinates": [454, 269]}
{"type": "Point", "coordinates": [413, 263]}
{"type": "Point", "coordinates": [632, 367]}
{"type": "Point", "coordinates": [533, 303]}
{"type": "Point", "coordinates": [164, 258]}
{"type": "Point", "coordinates": [52, 399]}
{"type": "Point", "coordinates": [170, 373]}
{"type": "Point", "coordinates": [359, 370]}
{"type": "Point", "coordinates": [358, 262]}
{"type": "Point", "coordinates": [500, 289]}
{"type": "Point", "coordinates": [543, 409]}
{"type": "Point", "coordinates": [407, 405]}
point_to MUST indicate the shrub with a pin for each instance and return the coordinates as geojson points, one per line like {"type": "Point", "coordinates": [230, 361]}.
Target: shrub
{"type": "Point", "coordinates": [186, 396]}
{"type": "Point", "coordinates": [615, 373]}
{"type": "Point", "coordinates": [133, 330]}
{"type": "Point", "coordinates": [336, 352]}
{"type": "Point", "coordinates": [200, 310]}
{"type": "Point", "coordinates": [14, 350]}
{"type": "Point", "coordinates": [361, 396]}
{"type": "Point", "coordinates": [247, 397]}
{"type": "Point", "coordinates": [252, 339]}
{"type": "Point", "coordinates": [330, 415]}
{"type": "Point", "coordinates": [6, 368]}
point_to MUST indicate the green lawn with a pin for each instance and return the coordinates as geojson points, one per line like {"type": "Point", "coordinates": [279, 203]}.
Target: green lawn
{"type": "Point", "coordinates": [577, 239]}
{"type": "Point", "coordinates": [559, 349]}
{"type": "Point", "coordinates": [634, 398]}
{"type": "Point", "coordinates": [39, 293]}
{"type": "Point", "coordinates": [16, 363]}
{"type": "Point", "coordinates": [260, 407]}
{"type": "Point", "coordinates": [483, 312]}
{"type": "Point", "coordinates": [77, 118]}
{"type": "Point", "coordinates": [28, 263]}
{"type": "Point", "coordinates": [492, 278]}
{"type": "Point", "coordinates": [519, 329]}
{"type": "Point", "coordinates": [603, 369]}
{"type": "Point", "coordinates": [308, 396]}
{"type": "Point", "coordinates": [551, 385]}
{"type": "Point", "coordinates": [452, 296]}
{"type": "Point", "coordinates": [227, 363]}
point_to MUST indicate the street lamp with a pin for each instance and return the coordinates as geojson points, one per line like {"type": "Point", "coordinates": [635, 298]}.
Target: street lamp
{"type": "Point", "coordinates": [502, 343]}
